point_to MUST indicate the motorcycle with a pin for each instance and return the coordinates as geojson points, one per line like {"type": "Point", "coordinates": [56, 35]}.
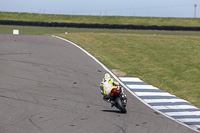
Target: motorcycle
{"type": "Point", "coordinates": [118, 99]}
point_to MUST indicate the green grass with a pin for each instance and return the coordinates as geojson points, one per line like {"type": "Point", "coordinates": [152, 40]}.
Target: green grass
{"type": "Point", "coordinates": [102, 20]}
{"type": "Point", "coordinates": [169, 60]}
{"type": "Point", "coordinates": [5, 29]}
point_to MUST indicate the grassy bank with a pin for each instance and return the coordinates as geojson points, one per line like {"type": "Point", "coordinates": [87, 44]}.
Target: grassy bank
{"type": "Point", "coordinates": [190, 22]}
{"type": "Point", "coordinates": [168, 60]}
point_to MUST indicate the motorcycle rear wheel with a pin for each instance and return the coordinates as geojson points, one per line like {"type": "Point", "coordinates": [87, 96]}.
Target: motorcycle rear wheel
{"type": "Point", "coordinates": [120, 105]}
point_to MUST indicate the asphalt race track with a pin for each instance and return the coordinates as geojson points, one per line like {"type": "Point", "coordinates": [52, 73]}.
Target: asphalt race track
{"type": "Point", "coordinates": [50, 86]}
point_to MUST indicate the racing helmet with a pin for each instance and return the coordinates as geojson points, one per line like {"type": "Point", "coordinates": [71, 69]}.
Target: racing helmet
{"type": "Point", "coordinates": [107, 76]}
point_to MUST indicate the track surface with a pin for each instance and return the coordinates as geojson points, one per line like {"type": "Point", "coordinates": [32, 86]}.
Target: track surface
{"type": "Point", "coordinates": [49, 86]}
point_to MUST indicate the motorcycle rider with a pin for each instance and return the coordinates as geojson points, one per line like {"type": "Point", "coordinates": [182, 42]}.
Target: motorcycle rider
{"type": "Point", "coordinates": [107, 85]}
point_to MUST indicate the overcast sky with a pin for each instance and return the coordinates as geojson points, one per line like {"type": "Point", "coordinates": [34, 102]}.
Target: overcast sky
{"type": "Point", "coordinates": [154, 8]}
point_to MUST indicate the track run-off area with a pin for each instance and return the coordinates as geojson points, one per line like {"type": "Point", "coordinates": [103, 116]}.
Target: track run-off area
{"type": "Point", "coordinates": [48, 85]}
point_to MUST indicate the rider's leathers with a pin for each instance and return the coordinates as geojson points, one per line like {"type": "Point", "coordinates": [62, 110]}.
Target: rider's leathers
{"type": "Point", "coordinates": [106, 86]}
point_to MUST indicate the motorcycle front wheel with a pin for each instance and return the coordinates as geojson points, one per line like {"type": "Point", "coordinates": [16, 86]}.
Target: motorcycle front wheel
{"type": "Point", "coordinates": [120, 105]}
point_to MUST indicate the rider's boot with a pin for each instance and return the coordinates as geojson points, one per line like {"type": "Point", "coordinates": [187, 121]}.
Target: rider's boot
{"type": "Point", "coordinates": [106, 99]}
{"type": "Point", "coordinates": [112, 103]}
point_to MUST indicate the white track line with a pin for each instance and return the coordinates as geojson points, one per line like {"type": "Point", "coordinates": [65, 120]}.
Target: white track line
{"type": "Point", "coordinates": [141, 87]}
{"type": "Point", "coordinates": [163, 100]}
{"type": "Point", "coordinates": [130, 79]}
{"type": "Point", "coordinates": [197, 126]}
{"type": "Point", "coordinates": [152, 94]}
{"type": "Point", "coordinates": [190, 120]}
{"type": "Point", "coordinates": [183, 113]}
{"type": "Point", "coordinates": [175, 107]}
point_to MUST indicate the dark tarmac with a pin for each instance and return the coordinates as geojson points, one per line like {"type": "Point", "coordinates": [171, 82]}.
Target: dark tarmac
{"type": "Point", "coordinates": [50, 86]}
